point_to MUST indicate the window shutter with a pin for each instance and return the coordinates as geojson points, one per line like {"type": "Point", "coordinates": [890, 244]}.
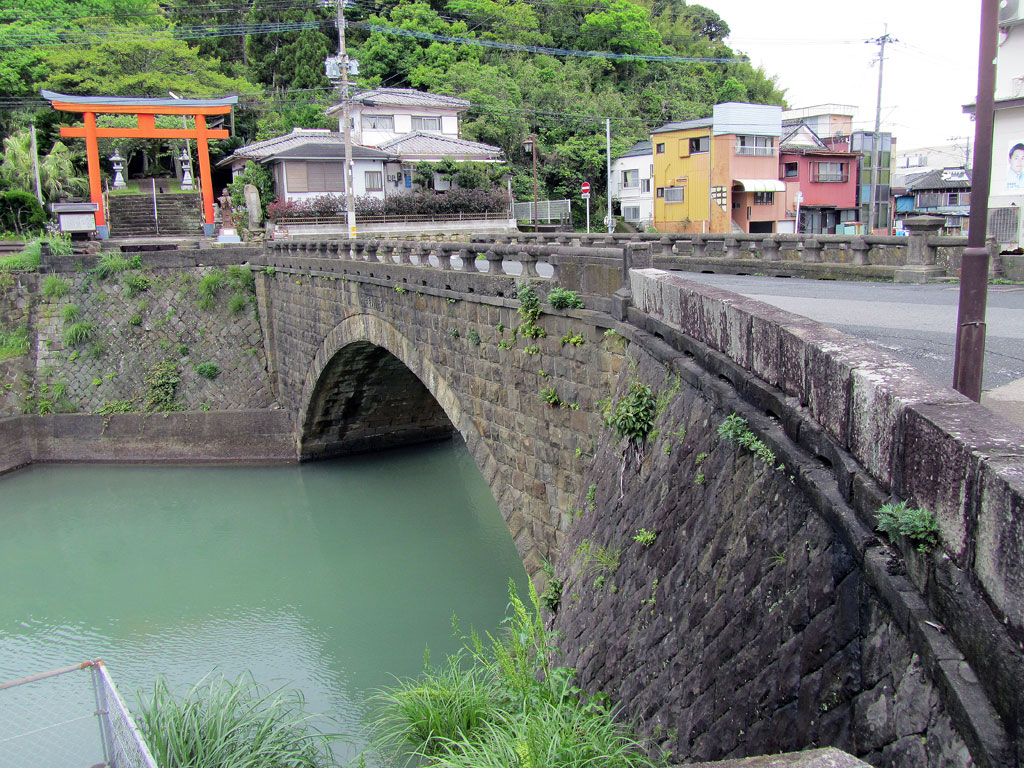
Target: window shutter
{"type": "Point", "coordinates": [295, 173]}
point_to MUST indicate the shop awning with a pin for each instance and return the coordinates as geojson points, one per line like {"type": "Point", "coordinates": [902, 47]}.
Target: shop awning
{"type": "Point", "coordinates": [760, 185]}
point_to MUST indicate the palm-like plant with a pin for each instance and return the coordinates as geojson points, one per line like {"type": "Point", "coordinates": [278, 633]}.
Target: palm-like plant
{"type": "Point", "coordinates": [57, 176]}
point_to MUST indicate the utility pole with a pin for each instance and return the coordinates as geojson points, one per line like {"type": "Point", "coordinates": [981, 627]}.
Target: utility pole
{"type": "Point", "coordinates": [608, 152]}
{"type": "Point", "coordinates": [35, 165]}
{"type": "Point", "coordinates": [971, 328]}
{"type": "Point", "coordinates": [350, 200]}
{"type": "Point", "coordinates": [876, 142]}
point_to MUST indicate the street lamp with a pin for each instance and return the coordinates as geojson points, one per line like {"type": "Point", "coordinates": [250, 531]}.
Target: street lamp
{"type": "Point", "coordinates": [117, 163]}
{"type": "Point", "coordinates": [530, 145]}
{"type": "Point", "coordinates": [187, 184]}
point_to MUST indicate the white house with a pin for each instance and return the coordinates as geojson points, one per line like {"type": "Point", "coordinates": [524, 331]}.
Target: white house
{"type": "Point", "coordinates": [631, 184]}
{"type": "Point", "coordinates": [413, 126]}
{"type": "Point", "coordinates": [310, 162]}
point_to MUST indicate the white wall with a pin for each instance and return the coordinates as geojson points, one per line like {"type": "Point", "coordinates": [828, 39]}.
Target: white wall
{"type": "Point", "coordinates": [632, 196]}
{"type": "Point", "coordinates": [402, 122]}
{"type": "Point", "coordinates": [747, 119]}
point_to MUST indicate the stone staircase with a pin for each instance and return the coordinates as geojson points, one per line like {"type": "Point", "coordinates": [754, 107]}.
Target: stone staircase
{"type": "Point", "coordinates": [177, 215]}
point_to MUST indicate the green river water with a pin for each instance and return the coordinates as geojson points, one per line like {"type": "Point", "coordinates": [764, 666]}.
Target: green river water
{"type": "Point", "coordinates": [330, 577]}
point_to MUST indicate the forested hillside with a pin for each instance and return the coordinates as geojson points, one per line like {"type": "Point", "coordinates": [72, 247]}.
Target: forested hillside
{"type": "Point", "coordinates": [527, 75]}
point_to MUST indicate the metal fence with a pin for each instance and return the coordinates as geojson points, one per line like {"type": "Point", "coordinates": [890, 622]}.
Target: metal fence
{"type": "Point", "coordinates": [69, 717]}
{"type": "Point", "coordinates": [547, 210]}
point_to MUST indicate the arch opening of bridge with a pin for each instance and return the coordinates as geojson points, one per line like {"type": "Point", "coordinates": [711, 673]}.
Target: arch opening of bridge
{"type": "Point", "coordinates": [367, 399]}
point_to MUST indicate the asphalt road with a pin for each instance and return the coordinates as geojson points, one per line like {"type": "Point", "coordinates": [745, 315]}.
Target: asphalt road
{"type": "Point", "coordinates": [916, 323]}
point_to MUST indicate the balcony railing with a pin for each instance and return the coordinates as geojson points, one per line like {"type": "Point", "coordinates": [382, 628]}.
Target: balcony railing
{"type": "Point", "coordinates": [756, 151]}
{"type": "Point", "coordinates": [830, 177]}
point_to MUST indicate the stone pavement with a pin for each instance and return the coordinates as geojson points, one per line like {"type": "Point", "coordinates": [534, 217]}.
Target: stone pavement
{"type": "Point", "coordinates": [1006, 401]}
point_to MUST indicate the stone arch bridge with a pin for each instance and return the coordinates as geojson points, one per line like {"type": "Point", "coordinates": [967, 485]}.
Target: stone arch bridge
{"type": "Point", "coordinates": [766, 614]}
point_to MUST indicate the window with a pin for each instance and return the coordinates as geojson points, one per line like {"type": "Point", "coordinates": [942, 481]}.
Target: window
{"type": "Point", "coordinates": [660, 192]}
{"type": "Point", "coordinates": [700, 144]}
{"type": "Point", "coordinates": [631, 212]}
{"type": "Point", "coordinates": [674, 194]}
{"type": "Point", "coordinates": [630, 179]}
{"type": "Point", "coordinates": [645, 186]}
{"type": "Point", "coordinates": [426, 124]}
{"type": "Point", "coordinates": [762, 146]}
{"type": "Point", "coordinates": [764, 198]}
{"type": "Point", "coordinates": [315, 177]}
{"type": "Point", "coordinates": [378, 122]}
{"type": "Point", "coordinates": [790, 170]}
{"type": "Point", "coordinates": [829, 171]}
{"type": "Point", "coordinates": [660, 149]}
{"type": "Point", "coordinates": [374, 181]}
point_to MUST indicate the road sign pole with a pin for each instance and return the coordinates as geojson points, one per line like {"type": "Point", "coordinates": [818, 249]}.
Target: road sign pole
{"type": "Point", "coordinates": [588, 214]}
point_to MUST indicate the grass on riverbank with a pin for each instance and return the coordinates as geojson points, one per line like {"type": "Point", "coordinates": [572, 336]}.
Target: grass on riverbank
{"type": "Point", "coordinates": [504, 703]}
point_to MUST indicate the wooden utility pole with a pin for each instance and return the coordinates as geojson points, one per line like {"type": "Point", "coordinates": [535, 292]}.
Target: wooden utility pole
{"type": "Point", "coordinates": [350, 200]}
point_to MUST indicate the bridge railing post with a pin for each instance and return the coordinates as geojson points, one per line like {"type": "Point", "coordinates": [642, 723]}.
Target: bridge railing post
{"type": "Point", "coordinates": [859, 248]}
{"type": "Point", "coordinates": [769, 249]}
{"type": "Point", "coordinates": [811, 251]}
{"type": "Point", "coordinates": [528, 258]}
{"type": "Point", "coordinates": [494, 261]}
{"type": "Point", "coordinates": [443, 255]}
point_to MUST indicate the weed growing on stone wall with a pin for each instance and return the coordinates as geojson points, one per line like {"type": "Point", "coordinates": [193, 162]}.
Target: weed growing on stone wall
{"type": "Point", "coordinates": [645, 537]}
{"type": "Point", "coordinates": [95, 350]}
{"type": "Point", "coordinates": [700, 479]}
{"type": "Point", "coordinates": [14, 342]}
{"type": "Point", "coordinates": [533, 349]}
{"type": "Point", "coordinates": [400, 290]}
{"type": "Point", "coordinates": [209, 286]}
{"type": "Point", "coordinates": [6, 283]}
{"type": "Point", "coordinates": [136, 284]}
{"type": "Point", "coordinates": [79, 333]}
{"type": "Point", "coordinates": [550, 396]}
{"type": "Point", "coordinates": [55, 287]}
{"type": "Point", "coordinates": [269, 271]}
{"type": "Point", "coordinates": [597, 559]}
{"type": "Point", "coordinates": [735, 430]}
{"type": "Point", "coordinates": [70, 313]}
{"type": "Point", "coordinates": [110, 264]}
{"type": "Point", "coordinates": [237, 304]}
{"type": "Point", "coordinates": [500, 328]}
{"type": "Point", "coordinates": [592, 496]}
{"type": "Point", "coordinates": [162, 381]}
{"type": "Point", "coordinates": [562, 298]}
{"type": "Point", "coordinates": [575, 339]}
{"type": "Point", "coordinates": [920, 526]}
{"type": "Point", "coordinates": [632, 417]}
{"type": "Point", "coordinates": [207, 370]}
{"type": "Point", "coordinates": [116, 406]}
{"type": "Point", "coordinates": [474, 337]}
{"type": "Point", "coordinates": [552, 594]}
{"type": "Point", "coordinates": [529, 310]}
{"type": "Point", "coordinates": [506, 343]}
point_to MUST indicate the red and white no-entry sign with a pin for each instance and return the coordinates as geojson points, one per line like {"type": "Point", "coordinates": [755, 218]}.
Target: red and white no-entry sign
{"type": "Point", "coordinates": [585, 189]}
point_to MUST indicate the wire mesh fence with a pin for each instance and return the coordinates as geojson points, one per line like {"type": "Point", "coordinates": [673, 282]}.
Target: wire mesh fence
{"type": "Point", "coordinates": [67, 718]}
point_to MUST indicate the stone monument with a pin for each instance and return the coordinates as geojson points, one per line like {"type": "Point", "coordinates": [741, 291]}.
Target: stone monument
{"type": "Point", "coordinates": [253, 206]}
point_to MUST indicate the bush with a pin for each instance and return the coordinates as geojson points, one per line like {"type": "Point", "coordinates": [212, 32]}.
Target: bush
{"type": "Point", "coordinates": [224, 723]}
{"type": "Point", "coordinates": [111, 264]}
{"type": "Point", "coordinates": [136, 284]}
{"type": "Point", "coordinates": [70, 313]}
{"type": "Point", "coordinates": [28, 259]}
{"type": "Point", "coordinates": [562, 298]}
{"type": "Point", "coordinates": [21, 212]}
{"type": "Point", "coordinates": [633, 416]}
{"type": "Point", "coordinates": [209, 287]}
{"type": "Point", "coordinates": [454, 201]}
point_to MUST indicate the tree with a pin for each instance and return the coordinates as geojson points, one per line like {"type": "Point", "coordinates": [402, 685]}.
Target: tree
{"type": "Point", "coordinates": [277, 59]}
{"type": "Point", "coordinates": [57, 176]}
{"type": "Point", "coordinates": [140, 66]}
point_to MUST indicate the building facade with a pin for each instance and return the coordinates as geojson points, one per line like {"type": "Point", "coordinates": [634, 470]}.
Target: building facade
{"type": "Point", "coordinates": [632, 176]}
{"type": "Point", "coordinates": [826, 180]}
{"type": "Point", "coordinates": [721, 174]}
{"type": "Point", "coordinates": [945, 192]}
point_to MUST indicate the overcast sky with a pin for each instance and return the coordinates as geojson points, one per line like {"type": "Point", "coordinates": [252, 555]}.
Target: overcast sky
{"type": "Point", "coordinates": [817, 51]}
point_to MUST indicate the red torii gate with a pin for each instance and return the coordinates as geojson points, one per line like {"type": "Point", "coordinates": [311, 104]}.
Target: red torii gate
{"type": "Point", "coordinates": [146, 109]}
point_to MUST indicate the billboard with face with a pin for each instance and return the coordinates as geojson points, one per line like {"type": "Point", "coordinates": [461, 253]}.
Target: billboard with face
{"type": "Point", "coordinates": [1015, 168]}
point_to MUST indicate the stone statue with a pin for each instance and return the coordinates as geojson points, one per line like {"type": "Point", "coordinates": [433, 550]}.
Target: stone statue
{"type": "Point", "coordinates": [227, 219]}
{"type": "Point", "coordinates": [252, 205]}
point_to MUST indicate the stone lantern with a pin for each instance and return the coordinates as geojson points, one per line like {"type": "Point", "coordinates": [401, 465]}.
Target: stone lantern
{"type": "Point", "coordinates": [117, 163]}
{"type": "Point", "coordinates": [187, 183]}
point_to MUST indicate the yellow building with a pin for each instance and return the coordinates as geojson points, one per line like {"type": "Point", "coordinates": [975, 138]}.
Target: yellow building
{"type": "Point", "coordinates": [721, 174]}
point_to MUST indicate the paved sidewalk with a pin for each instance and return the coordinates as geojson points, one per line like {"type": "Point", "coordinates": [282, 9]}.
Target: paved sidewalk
{"type": "Point", "coordinates": [1007, 401]}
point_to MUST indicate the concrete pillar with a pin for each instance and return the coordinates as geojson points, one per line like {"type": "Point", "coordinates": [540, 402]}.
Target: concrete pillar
{"type": "Point", "coordinates": [920, 265]}
{"type": "Point", "coordinates": [529, 262]}
{"type": "Point", "coordinates": [769, 249]}
{"type": "Point", "coordinates": [666, 245]}
{"type": "Point", "coordinates": [732, 248]}
{"type": "Point", "coordinates": [698, 247]}
{"type": "Point", "coordinates": [859, 248]}
{"type": "Point", "coordinates": [811, 251]}
{"type": "Point", "coordinates": [494, 262]}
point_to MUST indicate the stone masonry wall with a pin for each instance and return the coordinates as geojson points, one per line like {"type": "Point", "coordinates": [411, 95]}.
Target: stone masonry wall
{"type": "Point", "coordinates": [746, 626]}
{"type": "Point", "coordinates": [531, 453]}
{"type": "Point", "coordinates": [132, 330]}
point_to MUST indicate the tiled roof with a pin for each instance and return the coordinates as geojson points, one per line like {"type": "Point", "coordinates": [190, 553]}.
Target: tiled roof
{"type": "Point", "coordinates": [404, 97]}
{"type": "Point", "coordinates": [302, 143]}
{"type": "Point", "coordinates": [421, 143]}
{"type": "Point", "coordinates": [640, 149]}
{"type": "Point", "coordinates": [961, 179]}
